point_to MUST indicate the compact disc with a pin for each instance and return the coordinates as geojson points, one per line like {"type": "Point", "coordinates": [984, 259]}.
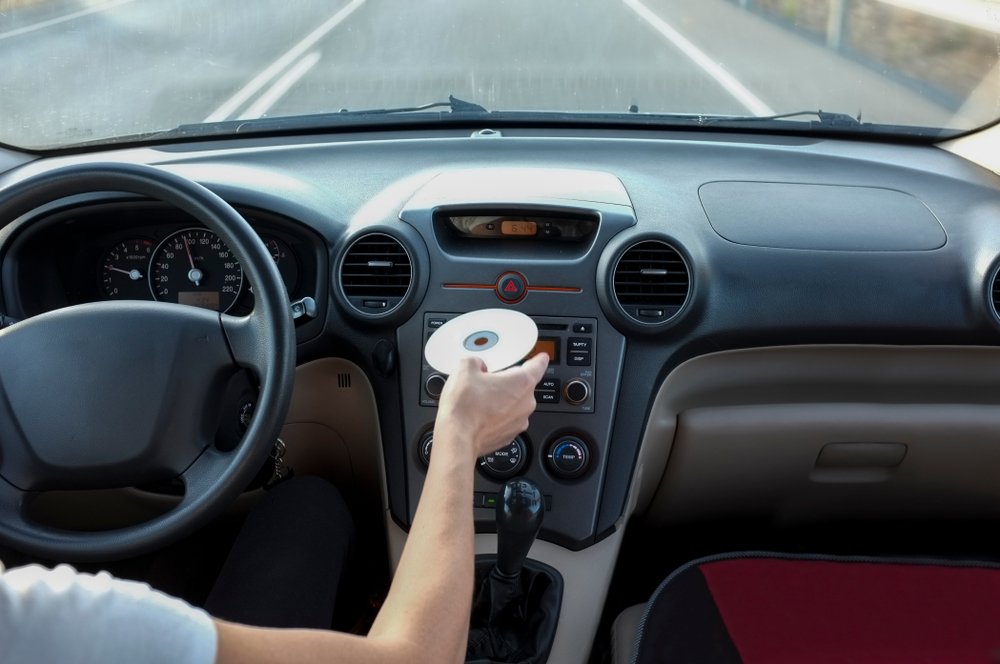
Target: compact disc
{"type": "Point", "coordinates": [499, 337]}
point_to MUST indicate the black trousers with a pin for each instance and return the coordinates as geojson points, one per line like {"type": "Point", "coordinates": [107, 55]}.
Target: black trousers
{"type": "Point", "coordinates": [287, 562]}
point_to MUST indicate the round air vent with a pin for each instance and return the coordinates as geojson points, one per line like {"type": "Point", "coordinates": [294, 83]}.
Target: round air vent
{"type": "Point", "coordinates": [651, 282]}
{"type": "Point", "coordinates": [995, 293]}
{"type": "Point", "coordinates": [376, 273]}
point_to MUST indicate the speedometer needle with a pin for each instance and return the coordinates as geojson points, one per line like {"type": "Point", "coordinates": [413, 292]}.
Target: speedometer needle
{"type": "Point", "coordinates": [134, 275]}
{"type": "Point", "coordinates": [195, 274]}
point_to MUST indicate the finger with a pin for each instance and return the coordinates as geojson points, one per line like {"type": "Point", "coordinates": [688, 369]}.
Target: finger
{"type": "Point", "coordinates": [472, 365]}
{"type": "Point", "coordinates": [535, 367]}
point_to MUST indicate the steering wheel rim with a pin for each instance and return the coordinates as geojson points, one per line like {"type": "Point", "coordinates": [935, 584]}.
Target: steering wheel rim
{"type": "Point", "coordinates": [263, 341]}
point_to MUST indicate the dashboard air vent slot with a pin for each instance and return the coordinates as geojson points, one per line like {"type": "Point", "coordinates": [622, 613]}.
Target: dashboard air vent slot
{"type": "Point", "coordinates": [376, 273]}
{"type": "Point", "coordinates": [995, 293]}
{"type": "Point", "coordinates": [651, 281]}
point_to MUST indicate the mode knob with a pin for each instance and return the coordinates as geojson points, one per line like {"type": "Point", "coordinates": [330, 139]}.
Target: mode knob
{"type": "Point", "coordinates": [506, 461]}
{"type": "Point", "coordinates": [434, 385]}
{"type": "Point", "coordinates": [568, 457]}
{"type": "Point", "coordinates": [424, 447]}
{"type": "Point", "coordinates": [577, 391]}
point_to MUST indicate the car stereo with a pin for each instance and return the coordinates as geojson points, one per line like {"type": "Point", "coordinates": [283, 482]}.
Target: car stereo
{"type": "Point", "coordinates": [569, 382]}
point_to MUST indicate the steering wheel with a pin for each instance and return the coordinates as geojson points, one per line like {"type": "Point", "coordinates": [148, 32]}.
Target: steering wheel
{"type": "Point", "coordinates": [118, 394]}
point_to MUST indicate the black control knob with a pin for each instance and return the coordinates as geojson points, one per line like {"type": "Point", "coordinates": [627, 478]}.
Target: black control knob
{"type": "Point", "coordinates": [569, 457]}
{"type": "Point", "coordinates": [577, 391]}
{"type": "Point", "coordinates": [434, 385]}
{"type": "Point", "coordinates": [506, 461]}
{"type": "Point", "coordinates": [424, 447]}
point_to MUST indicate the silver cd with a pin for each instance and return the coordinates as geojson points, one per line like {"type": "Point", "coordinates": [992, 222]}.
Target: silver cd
{"type": "Point", "coordinates": [499, 337]}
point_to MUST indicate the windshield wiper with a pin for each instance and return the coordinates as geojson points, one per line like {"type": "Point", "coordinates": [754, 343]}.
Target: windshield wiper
{"type": "Point", "coordinates": [283, 123]}
{"type": "Point", "coordinates": [826, 119]}
{"type": "Point", "coordinates": [454, 104]}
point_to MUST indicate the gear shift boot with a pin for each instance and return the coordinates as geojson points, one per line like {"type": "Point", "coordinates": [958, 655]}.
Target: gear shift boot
{"type": "Point", "coordinates": [516, 607]}
{"type": "Point", "coordinates": [514, 618]}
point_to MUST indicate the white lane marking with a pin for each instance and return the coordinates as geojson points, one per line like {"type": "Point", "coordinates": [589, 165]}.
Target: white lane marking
{"type": "Point", "coordinates": [62, 19]}
{"type": "Point", "coordinates": [263, 78]}
{"type": "Point", "coordinates": [724, 78]}
{"type": "Point", "coordinates": [280, 87]}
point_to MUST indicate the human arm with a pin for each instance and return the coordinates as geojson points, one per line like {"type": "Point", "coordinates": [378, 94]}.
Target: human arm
{"type": "Point", "coordinates": [425, 616]}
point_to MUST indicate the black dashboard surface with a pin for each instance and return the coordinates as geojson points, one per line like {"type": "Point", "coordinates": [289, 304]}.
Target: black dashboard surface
{"type": "Point", "coordinates": [331, 191]}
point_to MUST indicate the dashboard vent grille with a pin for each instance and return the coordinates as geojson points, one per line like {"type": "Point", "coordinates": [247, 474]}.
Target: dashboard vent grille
{"type": "Point", "coordinates": [996, 293]}
{"type": "Point", "coordinates": [651, 281]}
{"type": "Point", "coordinates": [376, 273]}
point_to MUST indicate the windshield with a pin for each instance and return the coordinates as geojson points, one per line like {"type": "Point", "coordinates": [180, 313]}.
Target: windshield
{"type": "Point", "coordinates": [84, 71]}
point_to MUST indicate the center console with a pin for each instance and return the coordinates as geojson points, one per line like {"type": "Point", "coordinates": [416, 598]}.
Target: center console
{"type": "Point", "coordinates": [487, 242]}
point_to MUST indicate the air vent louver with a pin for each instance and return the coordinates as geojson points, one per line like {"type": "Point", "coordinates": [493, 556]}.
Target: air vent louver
{"type": "Point", "coordinates": [651, 282]}
{"type": "Point", "coordinates": [376, 273]}
{"type": "Point", "coordinates": [996, 293]}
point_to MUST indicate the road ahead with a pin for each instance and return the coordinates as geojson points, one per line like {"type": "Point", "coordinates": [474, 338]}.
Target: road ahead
{"type": "Point", "coordinates": [76, 70]}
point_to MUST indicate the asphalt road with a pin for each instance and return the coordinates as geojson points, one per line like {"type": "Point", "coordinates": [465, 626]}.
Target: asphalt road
{"type": "Point", "coordinates": [77, 70]}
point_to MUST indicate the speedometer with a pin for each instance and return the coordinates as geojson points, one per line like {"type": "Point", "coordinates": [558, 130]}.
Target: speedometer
{"type": "Point", "coordinates": [195, 267]}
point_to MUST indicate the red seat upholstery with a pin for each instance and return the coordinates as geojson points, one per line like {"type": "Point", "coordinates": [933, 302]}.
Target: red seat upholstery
{"type": "Point", "coordinates": [763, 608]}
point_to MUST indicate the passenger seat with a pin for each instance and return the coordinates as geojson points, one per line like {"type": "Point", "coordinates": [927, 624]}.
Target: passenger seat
{"type": "Point", "coordinates": [773, 608]}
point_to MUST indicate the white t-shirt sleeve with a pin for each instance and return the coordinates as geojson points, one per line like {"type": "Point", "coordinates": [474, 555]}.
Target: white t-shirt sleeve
{"type": "Point", "coordinates": [60, 616]}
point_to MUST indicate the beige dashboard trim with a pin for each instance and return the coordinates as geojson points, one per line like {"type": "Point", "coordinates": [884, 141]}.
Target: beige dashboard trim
{"type": "Point", "coordinates": [741, 433]}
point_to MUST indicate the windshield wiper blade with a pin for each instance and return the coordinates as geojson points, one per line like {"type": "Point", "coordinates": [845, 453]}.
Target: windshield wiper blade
{"type": "Point", "coordinates": [826, 119]}
{"type": "Point", "coordinates": [454, 104]}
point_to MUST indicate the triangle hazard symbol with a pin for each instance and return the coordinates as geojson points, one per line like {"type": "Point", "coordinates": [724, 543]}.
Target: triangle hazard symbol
{"type": "Point", "coordinates": [511, 287]}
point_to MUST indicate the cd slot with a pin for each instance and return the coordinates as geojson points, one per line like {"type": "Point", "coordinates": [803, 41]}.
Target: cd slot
{"type": "Point", "coordinates": [551, 326]}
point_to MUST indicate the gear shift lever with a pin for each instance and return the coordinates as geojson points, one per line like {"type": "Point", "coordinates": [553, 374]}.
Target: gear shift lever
{"type": "Point", "coordinates": [516, 608]}
{"type": "Point", "coordinates": [519, 516]}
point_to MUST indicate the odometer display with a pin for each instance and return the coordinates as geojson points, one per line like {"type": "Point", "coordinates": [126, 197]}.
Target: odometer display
{"type": "Point", "coordinates": [195, 267]}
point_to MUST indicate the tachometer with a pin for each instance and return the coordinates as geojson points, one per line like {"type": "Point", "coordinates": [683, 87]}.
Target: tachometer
{"type": "Point", "coordinates": [194, 266]}
{"type": "Point", "coordinates": [123, 269]}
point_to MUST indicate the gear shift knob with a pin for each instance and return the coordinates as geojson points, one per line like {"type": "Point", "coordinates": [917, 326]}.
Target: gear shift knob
{"type": "Point", "coordinates": [519, 516]}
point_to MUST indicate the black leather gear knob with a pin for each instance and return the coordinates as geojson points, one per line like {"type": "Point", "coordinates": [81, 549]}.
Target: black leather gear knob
{"type": "Point", "coordinates": [519, 516]}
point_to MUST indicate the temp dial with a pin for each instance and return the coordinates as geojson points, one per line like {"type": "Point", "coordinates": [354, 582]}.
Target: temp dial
{"type": "Point", "coordinates": [507, 461]}
{"type": "Point", "coordinates": [568, 457]}
{"type": "Point", "coordinates": [124, 268]}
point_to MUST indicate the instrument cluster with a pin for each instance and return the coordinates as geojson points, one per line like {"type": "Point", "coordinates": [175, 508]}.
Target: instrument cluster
{"type": "Point", "coordinates": [190, 266]}
{"type": "Point", "coordinates": [151, 251]}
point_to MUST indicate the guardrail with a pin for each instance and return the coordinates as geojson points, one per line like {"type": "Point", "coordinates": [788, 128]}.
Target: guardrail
{"type": "Point", "coordinates": [978, 14]}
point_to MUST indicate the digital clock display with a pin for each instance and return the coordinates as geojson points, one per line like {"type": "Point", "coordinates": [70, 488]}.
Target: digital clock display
{"type": "Point", "coordinates": [519, 228]}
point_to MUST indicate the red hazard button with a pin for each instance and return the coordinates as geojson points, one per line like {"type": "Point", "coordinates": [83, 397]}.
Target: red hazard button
{"type": "Point", "coordinates": [510, 287]}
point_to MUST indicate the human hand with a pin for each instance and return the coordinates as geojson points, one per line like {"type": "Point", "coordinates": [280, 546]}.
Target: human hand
{"type": "Point", "coordinates": [484, 411]}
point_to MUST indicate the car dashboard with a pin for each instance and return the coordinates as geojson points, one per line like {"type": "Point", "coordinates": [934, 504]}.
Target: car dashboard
{"type": "Point", "coordinates": [675, 277]}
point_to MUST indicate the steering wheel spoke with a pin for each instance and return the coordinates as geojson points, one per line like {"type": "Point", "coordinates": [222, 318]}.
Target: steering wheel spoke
{"type": "Point", "coordinates": [247, 336]}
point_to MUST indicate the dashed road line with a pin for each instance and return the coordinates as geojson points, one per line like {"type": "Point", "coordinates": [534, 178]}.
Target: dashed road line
{"type": "Point", "coordinates": [62, 19]}
{"type": "Point", "coordinates": [712, 68]}
{"type": "Point", "coordinates": [279, 65]}
{"type": "Point", "coordinates": [280, 87]}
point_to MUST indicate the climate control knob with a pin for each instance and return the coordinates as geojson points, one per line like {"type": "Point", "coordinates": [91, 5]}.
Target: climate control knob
{"type": "Point", "coordinates": [505, 462]}
{"type": "Point", "coordinates": [424, 447]}
{"type": "Point", "coordinates": [577, 391]}
{"type": "Point", "coordinates": [568, 457]}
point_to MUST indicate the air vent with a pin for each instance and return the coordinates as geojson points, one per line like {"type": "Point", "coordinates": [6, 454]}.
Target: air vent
{"type": "Point", "coordinates": [651, 282]}
{"type": "Point", "coordinates": [996, 293]}
{"type": "Point", "coordinates": [376, 273]}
